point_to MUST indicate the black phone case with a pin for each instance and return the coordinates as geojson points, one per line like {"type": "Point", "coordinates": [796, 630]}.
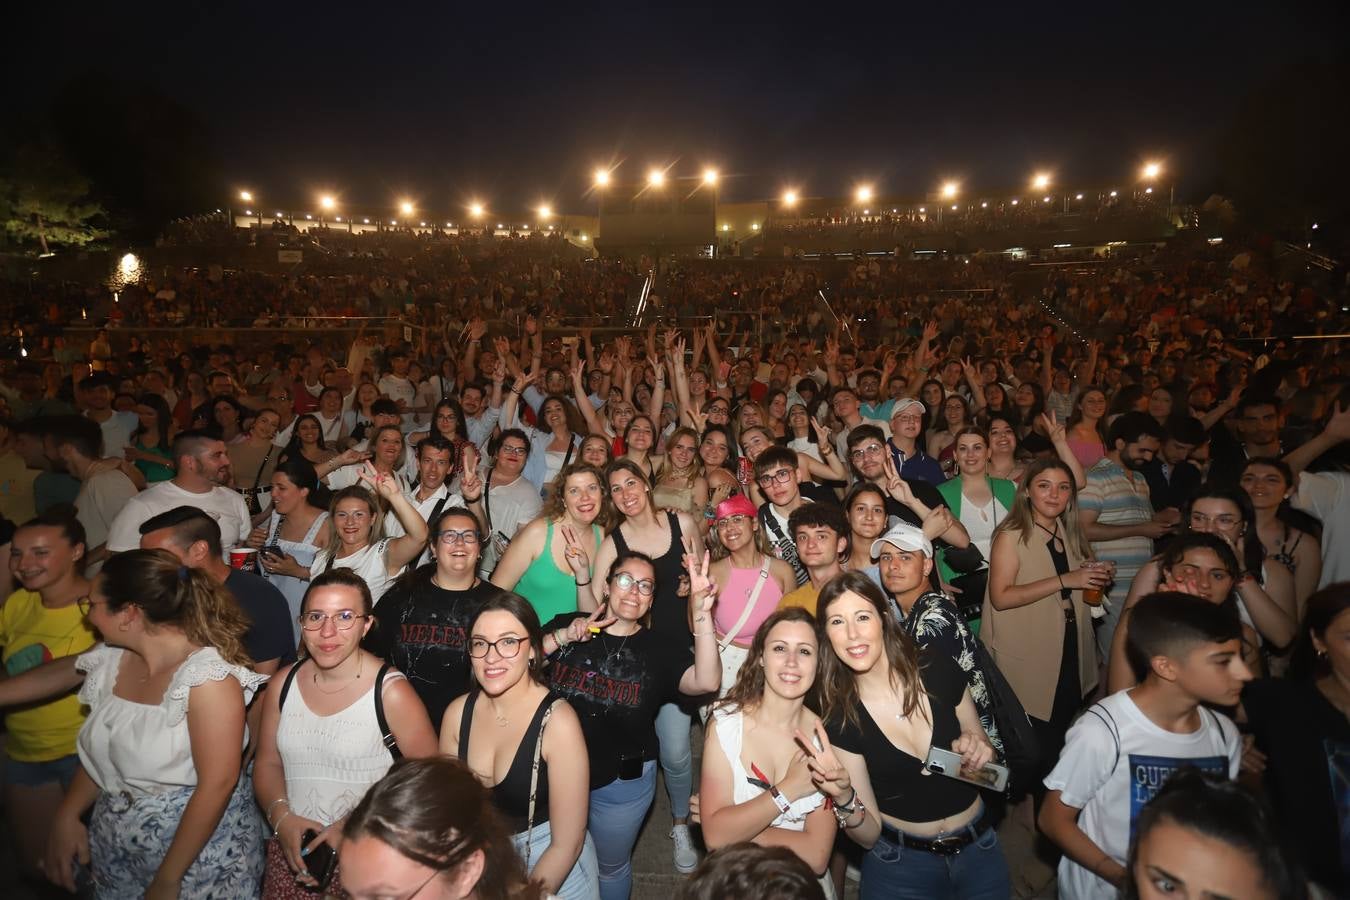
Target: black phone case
{"type": "Point", "coordinates": [321, 861]}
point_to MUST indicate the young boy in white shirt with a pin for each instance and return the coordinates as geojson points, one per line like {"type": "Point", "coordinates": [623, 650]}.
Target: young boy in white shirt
{"type": "Point", "coordinates": [1121, 751]}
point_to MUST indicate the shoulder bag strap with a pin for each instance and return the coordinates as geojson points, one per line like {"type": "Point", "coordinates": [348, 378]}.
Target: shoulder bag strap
{"type": "Point", "coordinates": [257, 479]}
{"type": "Point", "coordinates": [286, 684]}
{"type": "Point", "coordinates": [386, 733]}
{"type": "Point", "coordinates": [749, 605]}
{"type": "Point", "coordinates": [534, 778]}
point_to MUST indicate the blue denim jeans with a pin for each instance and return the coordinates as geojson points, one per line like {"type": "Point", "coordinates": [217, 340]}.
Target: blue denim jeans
{"type": "Point", "coordinates": [616, 814]}
{"type": "Point", "coordinates": [677, 759]}
{"type": "Point", "coordinates": [581, 882]}
{"type": "Point", "coordinates": [893, 871]}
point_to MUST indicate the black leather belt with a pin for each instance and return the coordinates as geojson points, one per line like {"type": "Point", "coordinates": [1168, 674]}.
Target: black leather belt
{"type": "Point", "coordinates": [947, 845]}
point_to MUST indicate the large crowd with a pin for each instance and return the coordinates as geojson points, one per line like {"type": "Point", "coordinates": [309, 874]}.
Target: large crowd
{"type": "Point", "coordinates": [968, 547]}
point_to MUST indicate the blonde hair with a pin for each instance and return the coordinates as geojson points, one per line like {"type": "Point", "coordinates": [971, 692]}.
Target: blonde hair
{"type": "Point", "coordinates": [372, 501]}
{"type": "Point", "coordinates": [1020, 519]}
{"type": "Point", "coordinates": [695, 469]}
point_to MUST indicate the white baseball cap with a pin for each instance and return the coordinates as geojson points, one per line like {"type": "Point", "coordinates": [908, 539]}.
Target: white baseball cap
{"type": "Point", "coordinates": [904, 536]}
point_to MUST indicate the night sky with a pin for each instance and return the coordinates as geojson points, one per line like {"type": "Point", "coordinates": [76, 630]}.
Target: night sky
{"type": "Point", "coordinates": [518, 104]}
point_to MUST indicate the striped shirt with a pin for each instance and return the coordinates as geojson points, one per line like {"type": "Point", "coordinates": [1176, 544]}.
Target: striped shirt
{"type": "Point", "coordinates": [1119, 498]}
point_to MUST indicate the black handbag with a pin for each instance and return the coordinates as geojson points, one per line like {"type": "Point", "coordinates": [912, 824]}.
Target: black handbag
{"type": "Point", "coordinates": [1021, 750]}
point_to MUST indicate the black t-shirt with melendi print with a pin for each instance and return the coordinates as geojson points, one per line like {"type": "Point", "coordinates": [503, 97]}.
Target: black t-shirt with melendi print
{"type": "Point", "coordinates": [617, 685]}
{"type": "Point", "coordinates": [422, 630]}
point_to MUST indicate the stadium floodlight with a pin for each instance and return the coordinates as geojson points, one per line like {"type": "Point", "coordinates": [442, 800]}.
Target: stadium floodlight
{"type": "Point", "coordinates": [601, 177]}
{"type": "Point", "coordinates": [726, 227]}
{"type": "Point", "coordinates": [327, 202]}
{"type": "Point", "coordinates": [1014, 203]}
{"type": "Point", "coordinates": [545, 211]}
{"type": "Point", "coordinates": [950, 189]}
{"type": "Point", "coordinates": [864, 193]}
{"type": "Point", "coordinates": [365, 221]}
{"type": "Point", "coordinates": [656, 178]}
{"type": "Point", "coordinates": [393, 221]}
{"type": "Point", "coordinates": [1151, 171]}
{"type": "Point", "coordinates": [246, 196]}
{"type": "Point", "coordinates": [405, 207]}
{"type": "Point", "coordinates": [1078, 197]}
{"type": "Point", "coordinates": [476, 210]}
{"type": "Point", "coordinates": [984, 204]}
{"type": "Point", "coordinates": [754, 226]}
{"type": "Point", "coordinates": [1115, 193]}
{"type": "Point", "coordinates": [1041, 181]}
{"type": "Point", "coordinates": [710, 177]}
{"type": "Point", "coordinates": [790, 197]}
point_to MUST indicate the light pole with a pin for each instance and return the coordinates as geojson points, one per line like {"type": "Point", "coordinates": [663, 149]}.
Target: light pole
{"type": "Point", "coordinates": [326, 204]}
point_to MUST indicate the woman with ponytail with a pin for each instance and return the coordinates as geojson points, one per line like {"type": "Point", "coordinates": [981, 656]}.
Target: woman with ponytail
{"type": "Point", "coordinates": [161, 751]}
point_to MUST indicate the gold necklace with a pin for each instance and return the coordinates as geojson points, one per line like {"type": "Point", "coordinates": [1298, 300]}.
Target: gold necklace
{"type": "Point", "coordinates": [321, 689]}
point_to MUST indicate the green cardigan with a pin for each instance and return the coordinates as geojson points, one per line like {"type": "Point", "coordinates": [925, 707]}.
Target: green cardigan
{"type": "Point", "coordinates": [1004, 492]}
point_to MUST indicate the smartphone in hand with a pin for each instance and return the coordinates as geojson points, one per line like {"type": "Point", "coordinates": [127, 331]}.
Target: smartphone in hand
{"type": "Point", "coordinates": [991, 776]}
{"type": "Point", "coordinates": [321, 861]}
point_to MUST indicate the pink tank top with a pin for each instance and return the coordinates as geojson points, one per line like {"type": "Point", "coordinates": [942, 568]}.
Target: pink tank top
{"type": "Point", "coordinates": [736, 593]}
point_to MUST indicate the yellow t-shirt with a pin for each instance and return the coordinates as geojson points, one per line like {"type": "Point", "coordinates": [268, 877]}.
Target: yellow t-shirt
{"type": "Point", "coordinates": [31, 635]}
{"type": "Point", "coordinates": [804, 596]}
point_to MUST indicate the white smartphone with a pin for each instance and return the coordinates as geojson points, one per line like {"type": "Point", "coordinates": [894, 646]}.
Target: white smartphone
{"type": "Point", "coordinates": [991, 776]}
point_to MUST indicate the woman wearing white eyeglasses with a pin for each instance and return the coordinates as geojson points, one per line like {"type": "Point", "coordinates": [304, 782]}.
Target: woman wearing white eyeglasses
{"type": "Point", "coordinates": [330, 731]}
{"type": "Point", "coordinates": [617, 673]}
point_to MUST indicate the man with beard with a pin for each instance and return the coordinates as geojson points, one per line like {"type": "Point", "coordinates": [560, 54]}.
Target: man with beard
{"type": "Point", "coordinates": [1259, 419]}
{"type": "Point", "coordinates": [202, 481]}
{"type": "Point", "coordinates": [422, 621]}
{"type": "Point", "coordinates": [1115, 511]}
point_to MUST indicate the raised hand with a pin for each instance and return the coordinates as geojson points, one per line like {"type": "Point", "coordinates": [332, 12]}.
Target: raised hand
{"type": "Point", "coordinates": [575, 555]}
{"type": "Point", "coordinates": [828, 773]}
{"type": "Point", "coordinates": [1054, 429]}
{"type": "Point", "coordinates": [606, 362]}
{"type": "Point", "coordinates": [477, 328]}
{"type": "Point", "coordinates": [822, 433]}
{"type": "Point", "coordinates": [384, 485]}
{"type": "Point", "coordinates": [585, 628]}
{"type": "Point", "coordinates": [702, 588]}
{"type": "Point", "coordinates": [351, 456]}
{"type": "Point", "coordinates": [470, 482]}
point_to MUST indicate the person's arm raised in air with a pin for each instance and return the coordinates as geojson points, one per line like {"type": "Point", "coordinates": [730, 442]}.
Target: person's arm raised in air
{"type": "Point", "coordinates": [1337, 430]}
{"type": "Point", "coordinates": [977, 400]}
{"type": "Point", "coordinates": [1059, 439]}
{"type": "Point", "coordinates": [468, 366]}
{"type": "Point", "coordinates": [401, 550]}
{"type": "Point", "coordinates": [829, 467]}
{"type": "Point", "coordinates": [593, 423]}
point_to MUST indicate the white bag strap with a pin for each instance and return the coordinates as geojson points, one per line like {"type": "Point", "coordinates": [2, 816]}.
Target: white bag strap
{"type": "Point", "coordinates": [749, 605]}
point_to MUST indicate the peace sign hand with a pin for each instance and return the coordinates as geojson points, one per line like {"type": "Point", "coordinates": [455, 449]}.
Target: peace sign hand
{"type": "Point", "coordinates": [575, 554]}
{"type": "Point", "coordinates": [828, 773]}
{"type": "Point", "coordinates": [822, 433]}
{"type": "Point", "coordinates": [702, 588]}
{"type": "Point", "coordinates": [470, 482]}
{"type": "Point", "coordinates": [896, 486]}
{"type": "Point", "coordinates": [583, 628]}
{"type": "Point", "coordinates": [1054, 429]}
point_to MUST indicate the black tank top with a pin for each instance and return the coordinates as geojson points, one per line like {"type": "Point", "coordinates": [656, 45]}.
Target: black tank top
{"type": "Point", "coordinates": [511, 795]}
{"type": "Point", "coordinates": [670, 601]}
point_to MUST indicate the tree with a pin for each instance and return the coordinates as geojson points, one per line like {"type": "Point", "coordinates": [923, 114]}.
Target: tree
{"type": "Point", "coordinates": [47, 201]}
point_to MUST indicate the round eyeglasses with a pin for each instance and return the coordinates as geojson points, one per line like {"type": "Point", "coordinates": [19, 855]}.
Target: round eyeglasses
{"type": "Point", "coordinates": [623, 581]}
{"type": "Point", "coordinates": [342, 620]}
{"type": "Point", "coordinates": [506, 647]}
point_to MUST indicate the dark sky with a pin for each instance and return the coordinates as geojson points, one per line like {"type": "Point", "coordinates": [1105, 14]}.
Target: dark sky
{"type": "Point", "coordinates": [517, 103]}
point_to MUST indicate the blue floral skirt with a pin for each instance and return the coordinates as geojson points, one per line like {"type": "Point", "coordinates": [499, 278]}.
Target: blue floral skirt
{"type": "Point", "coordinates": [129, 837]}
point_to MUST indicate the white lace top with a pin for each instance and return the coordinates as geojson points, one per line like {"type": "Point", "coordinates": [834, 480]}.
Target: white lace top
{"type": "Point", "coordinates": [141, 748]}
{"type": "Point", "coordinates": [331, 760]}
{"type": "Point", "coordinates": [729, 726]}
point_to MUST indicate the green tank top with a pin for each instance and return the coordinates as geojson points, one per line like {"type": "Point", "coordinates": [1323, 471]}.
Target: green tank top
{"type": "Point", "coordinates": [550, 590]}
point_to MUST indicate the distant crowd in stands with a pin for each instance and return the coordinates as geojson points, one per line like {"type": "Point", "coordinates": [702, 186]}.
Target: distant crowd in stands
{"type": "Point", "coordinates": [260, 595]}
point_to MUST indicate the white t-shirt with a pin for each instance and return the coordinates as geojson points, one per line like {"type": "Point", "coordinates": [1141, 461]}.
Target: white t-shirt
{"type": "Point", "coordinates": [1327, 496]}
{"type": "Point", "coordinates": [1114, 761]}
{"type": "Point", "coordinates": [398, 388]}
{"type": "Point", "coordinates": [101, 498]}
{"type": "Point", "coordinates": [510, 506]}
{"type": "Point", "coordinates": [117, 431]}
{"type": "Point", "coordinates": [841, 439]}
{"type": "Point", "coordinates": [220, 503]}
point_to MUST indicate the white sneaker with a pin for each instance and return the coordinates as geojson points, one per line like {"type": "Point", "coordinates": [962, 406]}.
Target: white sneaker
{"type": "Point", "coordinates": [686, 856]}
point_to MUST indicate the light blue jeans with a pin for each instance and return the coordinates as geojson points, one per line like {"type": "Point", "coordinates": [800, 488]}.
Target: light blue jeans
{"type": "Point", "coordinates": [677, 759]}
{"type": "Point", "coordinates": [616, 814]}
{"type": "Point", "coordinates": [582, 882]}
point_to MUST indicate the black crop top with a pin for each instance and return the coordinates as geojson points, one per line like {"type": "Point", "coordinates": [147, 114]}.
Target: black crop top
{"type": "Point", "coordinates": [511, 795]}
{"type": "Point", "coordinates": [903, 788]}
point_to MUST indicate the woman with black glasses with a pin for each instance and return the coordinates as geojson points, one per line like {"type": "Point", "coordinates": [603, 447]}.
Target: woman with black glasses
{"type": "Point", "coordinates": [618, 672]}
{"type": "Point", "coordinates": [331, 731]}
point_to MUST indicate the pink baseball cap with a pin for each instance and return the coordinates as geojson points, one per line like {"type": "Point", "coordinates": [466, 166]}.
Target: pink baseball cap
{"type": "Point", "coordinates": [735, 505]}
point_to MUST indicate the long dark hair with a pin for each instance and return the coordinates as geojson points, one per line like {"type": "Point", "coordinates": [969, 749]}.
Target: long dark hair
{"type": "Point", "coordinates": [748, 690]}
{"type": "Point", "coordinates": [169, 593]}
{"type": "Point", "coordinates": [438, 814]}
{"type": "Point", "coordinates": [1324, 607]}
{"type": "Point", "coordinates": [293, 445]}
{"type": "Point", "coordinates": [836, 685]}
{"type": "Point", "coordinates": [1253, 554]}
{"type": "Point", "coordinates": [164, 423]}
{"type": "Point", "coordinates": [1224, 811]}
{"type": "Point", "coordinates": [518, 606]}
